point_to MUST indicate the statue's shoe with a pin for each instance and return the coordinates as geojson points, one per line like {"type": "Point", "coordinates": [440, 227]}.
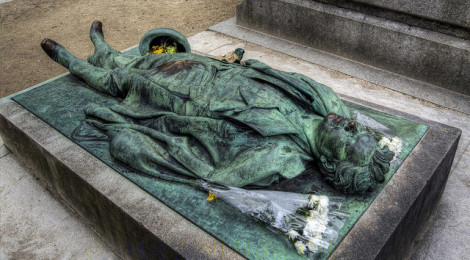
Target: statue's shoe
{"type": "Point", "coordinates": [96, 32]}
{"type": "Point", "coordinates": [50, 47]}
{"type": "Point", "coordinates": [57, 52]}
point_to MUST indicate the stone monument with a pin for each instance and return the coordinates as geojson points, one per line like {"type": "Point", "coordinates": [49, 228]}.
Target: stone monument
{"type": "Point", "coordinates": [426, 41]}
{"type": "Point", "coordinates": [402, 198]}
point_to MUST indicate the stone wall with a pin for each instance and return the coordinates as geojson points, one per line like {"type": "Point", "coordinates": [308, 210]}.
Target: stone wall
{"type": "Point", "coordinates": [434, 54]}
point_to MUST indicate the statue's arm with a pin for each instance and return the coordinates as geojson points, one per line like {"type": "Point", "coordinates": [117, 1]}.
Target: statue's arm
{"type": "Point", "coordinates": [304, 90]}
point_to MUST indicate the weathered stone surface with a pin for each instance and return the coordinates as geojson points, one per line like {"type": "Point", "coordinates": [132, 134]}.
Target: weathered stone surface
{"type": "Point", "coordinates": [449, 11]}
{"type": "Point", "coordinates": [3, 149]}
{"type": "Point", "coordinates": [428, 56]}
{"type": "Point", "coordinates": [37, 225]}
{"type": "Point", "coordinates": [448, 17]}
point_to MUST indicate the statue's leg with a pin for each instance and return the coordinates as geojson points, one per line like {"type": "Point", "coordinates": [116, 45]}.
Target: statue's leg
{"type": "Point", "coordinates": [103, 80]}
{"type": "Point", "coordinates": [57, 52]}
{"type": "Point", "coordinates": [105, 56]}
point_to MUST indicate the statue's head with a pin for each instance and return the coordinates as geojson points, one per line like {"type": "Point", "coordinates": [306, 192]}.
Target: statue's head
{"type": "Point", "coordinates": [351, 158]}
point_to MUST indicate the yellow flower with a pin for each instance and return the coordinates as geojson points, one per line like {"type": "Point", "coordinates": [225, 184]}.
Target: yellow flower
{"type": "Point", "coordinates": [164, 48]}
{"type": "Point", "coordinates": [211, 196]}
{"type": "Point", "coordinates": [157, 49]}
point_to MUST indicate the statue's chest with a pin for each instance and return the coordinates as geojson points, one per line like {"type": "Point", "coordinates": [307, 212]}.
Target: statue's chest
{"type": "Point", "coordinates": [179, 76]}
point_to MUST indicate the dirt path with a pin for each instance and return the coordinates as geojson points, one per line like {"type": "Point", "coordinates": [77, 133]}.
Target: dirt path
{"type": "Point", "coordinates": [24, 23]}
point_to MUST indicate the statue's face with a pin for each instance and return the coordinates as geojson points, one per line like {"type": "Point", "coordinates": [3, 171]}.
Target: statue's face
{"type": "Point", "coordinates": [340, 139]}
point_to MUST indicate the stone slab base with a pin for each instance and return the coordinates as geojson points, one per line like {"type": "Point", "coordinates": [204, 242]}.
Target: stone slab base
{"type": "Point", "coordinates": [411, 51]}
{"type": "Point", "coordinates": [137, 225]}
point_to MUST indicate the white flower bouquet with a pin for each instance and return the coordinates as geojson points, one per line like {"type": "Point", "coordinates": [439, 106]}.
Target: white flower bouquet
{"type": "Point", "coordinates": [395, 144]}
{"type": "Point", "coordinates": [310, 222]}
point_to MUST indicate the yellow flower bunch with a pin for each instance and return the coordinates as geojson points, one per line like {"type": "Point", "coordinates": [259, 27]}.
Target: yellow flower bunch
{"type": "Point", "coordinates": [164, 48]}
{"type": "Point", "coordinates": [156, 49]}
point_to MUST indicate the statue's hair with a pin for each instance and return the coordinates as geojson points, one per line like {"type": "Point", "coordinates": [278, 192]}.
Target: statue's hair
{"type": "Point", "coordinates": [353, 179]}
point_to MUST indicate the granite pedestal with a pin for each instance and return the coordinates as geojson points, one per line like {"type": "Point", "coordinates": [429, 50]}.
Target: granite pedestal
{"type": "Point", "coordinates": [383, 35]}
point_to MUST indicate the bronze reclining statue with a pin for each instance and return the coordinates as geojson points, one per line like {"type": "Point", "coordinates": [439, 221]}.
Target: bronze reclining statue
{"type": "Point", "coordinates": [229, 123]}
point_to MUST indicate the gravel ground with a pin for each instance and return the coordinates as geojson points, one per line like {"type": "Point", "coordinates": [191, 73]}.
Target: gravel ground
{"type": "Point", "coordinates": [25, 23]}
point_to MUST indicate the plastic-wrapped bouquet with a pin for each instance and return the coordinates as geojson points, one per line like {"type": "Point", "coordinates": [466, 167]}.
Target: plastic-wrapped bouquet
{"type": "Point", "coordinates": [394, 144]}
{"type": "Point", "coordinates": [310, 222]}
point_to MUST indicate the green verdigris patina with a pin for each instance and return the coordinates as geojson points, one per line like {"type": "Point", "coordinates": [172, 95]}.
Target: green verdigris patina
{"type": "Point", "coordinates": [188, 115]}
{"type": "Point", "coordinates": [62, 101]}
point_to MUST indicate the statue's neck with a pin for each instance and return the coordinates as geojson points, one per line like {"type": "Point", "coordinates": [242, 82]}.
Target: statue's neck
{"type": "Point", "coordinates": [313, 136]}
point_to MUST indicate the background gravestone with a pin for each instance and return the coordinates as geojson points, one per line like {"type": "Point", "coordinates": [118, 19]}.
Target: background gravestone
{"type": "Point", "coordinates": [428, 42]}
